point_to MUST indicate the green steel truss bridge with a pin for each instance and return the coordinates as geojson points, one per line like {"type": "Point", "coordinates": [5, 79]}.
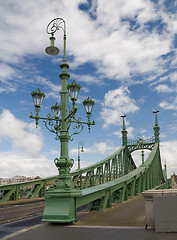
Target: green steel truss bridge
{"type": "Point", "coordinates": [115, 178]}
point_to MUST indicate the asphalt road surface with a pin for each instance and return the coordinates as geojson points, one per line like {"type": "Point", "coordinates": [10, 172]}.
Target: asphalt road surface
{"type": "Point", "coordinates": [125, 221]}
{"type": "Point", "coordinates": [46, 231]}
{"type": "Point", "coordinates": [20, 211]}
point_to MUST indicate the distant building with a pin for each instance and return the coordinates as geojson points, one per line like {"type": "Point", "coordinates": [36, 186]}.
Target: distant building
{"type": "Point", "coordinates": [174, 179]}
{"type": "Point", "coordinates": [18, 179]}
{"type": "Point", "coordinates": [4, 181]}
{"type": "Point", "coordinates": [37, 178]}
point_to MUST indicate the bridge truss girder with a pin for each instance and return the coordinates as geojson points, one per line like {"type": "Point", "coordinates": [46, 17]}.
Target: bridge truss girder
{"type": "Point", "coordinates": [116, 178]}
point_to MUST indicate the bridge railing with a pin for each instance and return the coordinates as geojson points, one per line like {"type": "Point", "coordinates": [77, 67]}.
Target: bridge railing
{"type": "Point", "coordinates": [147, 176]}
{"type": "Point", "coordinates": [106, 179]}
{"type": "Point", "coordinates": [104, 171]}
{"type": "Point", "coordinates": [25, 190]}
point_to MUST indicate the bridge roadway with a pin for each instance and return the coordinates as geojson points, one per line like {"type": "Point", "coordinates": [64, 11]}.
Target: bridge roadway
{"type": "Point", "coordinates": [123, 221]}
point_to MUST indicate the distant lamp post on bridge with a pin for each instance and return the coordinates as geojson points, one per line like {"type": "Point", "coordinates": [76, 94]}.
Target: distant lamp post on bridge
{"type": "Point", "coordinates": [80, 149]}
{"type": "Point", "coordinates": [60, 198]}
{"type": "Point", "coordinates": [142, 151]}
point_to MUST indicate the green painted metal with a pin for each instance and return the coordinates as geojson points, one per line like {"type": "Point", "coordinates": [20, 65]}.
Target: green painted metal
{"type": "Point", "coordinates": [99, 195]}
{"type": "Point", "coordinates": [60, 208]}
{"type": "Point", "coordinates": [103, 187]}
{"type": "Point", "coordinates": [116, 178]}
{"type": "Point", "coordinates": [106, 170]}
{"type": "Point", "coordinates": [99, 189]}
{"type": "Point", "coordinates": [124, 132]}
{"type": "Point", "coordinates": [16, 191]}
{"type": "Point", "coordinates": [156, 128]}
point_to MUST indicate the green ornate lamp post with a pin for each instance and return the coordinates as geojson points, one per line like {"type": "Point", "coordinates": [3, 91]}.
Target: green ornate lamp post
{"type": "Point", "coordinates": [165, 171]}
{"type": "Point", "coordinates": [142, 151]}
{"type": "Point", "coordinates": [80, 149]}
{"type": "Point", "coordinates": [60, 198]}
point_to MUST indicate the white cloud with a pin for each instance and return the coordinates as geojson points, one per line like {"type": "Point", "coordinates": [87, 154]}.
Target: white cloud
{"type": "Point", "coordinates": [173, 77]}
{"type": "Point", "coordinates": [163, 88]}
{"type": "Point", "coordinates": [174, 60]}
{"type": "Point", "coordinates": [161, 79]}
{"type": "Point", "coordinates": [117, 102]}
{"type": "Point", "coordinates": [5, 72]}
{"type": "Point", "coordinates": [20, 133]}
{"type": "Point", "coordinates": [115, 48]}
{"type": "Point", "coordinates": [54, 88]}
{"type": "Point", "coordinates": [88, 79]}
{"type": "Point", "coordinates": [168, 151]}
{"type": "Point", "coordinates": [24, 158]}
{"type": "Point", "coordinates": [99, 148]}
{"type": "Point", "coordinates": [137, 156]}
{"type": "Point", "coordinates": [119, 42]}
{"type": "Point", "coordinates": [103, 148]}
{"type": "Point", "coordinates": [18, 163]}
{"type": "Point", "coordinates": [127, 51]}
{"type": "Point", "coordinates": [169, 106]}
{"type": "Point", "coordinates": [130, 132]}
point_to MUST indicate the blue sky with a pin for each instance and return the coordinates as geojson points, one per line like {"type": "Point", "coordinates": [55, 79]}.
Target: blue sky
{"type": "Point", "coordinates": [122, 53]}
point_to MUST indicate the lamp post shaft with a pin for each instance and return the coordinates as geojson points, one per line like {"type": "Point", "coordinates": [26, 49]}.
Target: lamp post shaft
{"type": "Point", "coordinates": [142, 154]}
{"type": "Point", "coordinates": [64, 49]}
{"type": "Point", "coordinates": [64, 39]}
{"type": "Point", "coordinates": [79, 166]}
{"type": "Point", "coordinates": [64, 163]}
{"type": "Point", "coordinates": [64, 135]}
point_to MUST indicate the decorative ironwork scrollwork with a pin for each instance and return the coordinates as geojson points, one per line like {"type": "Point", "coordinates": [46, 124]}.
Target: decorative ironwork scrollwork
{"type": "Point", "coordinates": [78, 128]}
{"type": "Point", "coordinates": [52, 127]}
{"type": "Point", "coordinates": [54, 25]}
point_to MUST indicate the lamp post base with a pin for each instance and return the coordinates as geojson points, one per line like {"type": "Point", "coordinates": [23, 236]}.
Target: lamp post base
{"type": "Point", "coordinates": [60, 207]}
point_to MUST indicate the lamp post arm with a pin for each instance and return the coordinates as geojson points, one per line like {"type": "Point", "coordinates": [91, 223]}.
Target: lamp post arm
{"type": "Point", "coordinates": [55, 128]}
{"type": "Point", "coordinates": [81, 122]}
{"type": "Point", "coordinates": [44, 118]}
{"type": "Point", "coordinates": [54, 26]}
